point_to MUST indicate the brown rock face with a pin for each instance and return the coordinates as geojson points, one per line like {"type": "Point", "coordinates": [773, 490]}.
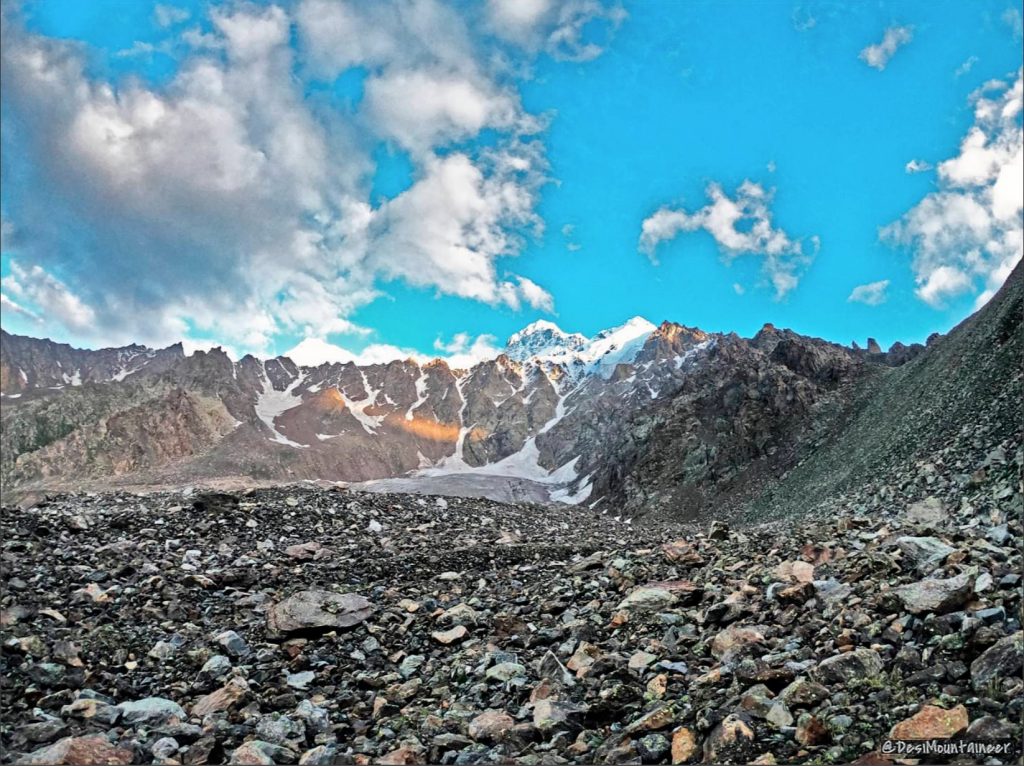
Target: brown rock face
{"type": "Point", "coordinates": [684, 746]}
{"type": "Point", "coordinates": [734, 639]}
{"type": "Point", "coordinates": [490, 726]}
{"type": "Point", "coordinates": [682, 552]}
{"type": "Point", "coordinates": [402, 756]}
{"type": "Point", "coordinates": [450, 636]}
{"type": "Point", "coordinates": [80, 751]}
{"type": "Point", "coordinates": [317, 610]}
{"type": "Point", "coordinates": [932, 722]}
{"type": "Point", "coordinates": [221, 699]}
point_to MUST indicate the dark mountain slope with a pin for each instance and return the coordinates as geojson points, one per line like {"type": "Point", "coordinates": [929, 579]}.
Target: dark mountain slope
{"type": "Point", "coordinates": [787, 423]}
{"type": "Point", "coordinates": [954, 404]}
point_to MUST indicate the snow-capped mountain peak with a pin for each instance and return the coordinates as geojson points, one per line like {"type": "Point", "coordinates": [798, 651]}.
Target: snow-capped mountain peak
{"type": "Point", "coordinates": [545, 342]}
{"type": "Point", "coordinates": [617, 345]}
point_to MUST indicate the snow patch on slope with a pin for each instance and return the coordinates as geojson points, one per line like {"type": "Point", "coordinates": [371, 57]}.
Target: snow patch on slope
{"type": "Point", "coordinates": [524, 464]}
{"type": "Point", "coordinates": [272, 403]}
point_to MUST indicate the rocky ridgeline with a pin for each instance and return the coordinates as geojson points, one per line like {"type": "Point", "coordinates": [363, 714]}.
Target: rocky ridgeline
{"type": "Point", "coordinates": [331, 627]}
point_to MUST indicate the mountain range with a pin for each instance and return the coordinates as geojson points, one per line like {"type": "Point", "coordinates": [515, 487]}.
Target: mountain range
{"type": "Point", "coordinates": [637, 419]}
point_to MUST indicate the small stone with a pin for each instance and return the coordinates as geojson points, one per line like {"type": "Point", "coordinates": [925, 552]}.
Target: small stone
{"type": "Point", "coordinates": [163, 650]}
{"type": "Point", "coordinates": [401, 756]}
{"type": "Point", "coordinates": [932, 722]}
{"type": "Point", "coordinates": [935, 595]}
{"type": "Point", "coordinates": [164, 748]}
{"type": "Point", "coordinates": [321, 755]}
{"type": "Point", "coordinates": [490, 726]}
{"type": "Point", "coordinates": [258, 753]}
{"type": "Point", "coordinates": [730, 741]}
{"type": "Point", "coordinates": [505, 671]}
{"type": "Point", "coordinates": [684, 746]}
{"type": "Point", "coordinates": [279, 729]}
{"type": "Point", "coordinates": [795, 571]}
{"type": "Point", "coordinates": [682, 552]}
{"type": "Point", "coordinates": [1004, 659]}
{"type": "Point", "coordinates": [300, 680]}
{"type": "Point", "coordinates": [408, 605]}
{"type": "Point", "coordinates": [151, 711]}
{"type": "Point", "coordinates": [584, 656]}
{"type": "Point", "coordinates": [659, 717]}
{"type": "Point", "coordinates": [860, 663]}
{"type": "Point", "coordinates": [317, 610]}
{"type": "Point", "coordinates": [646, 599]}
{"type": "Point", "coordinates": [803, 693]}
{"type": "Point", "coordinates": [410, 665]}
{"type": "Point", "coordinates": [304, 551]}
{"type": "Point", "coordinates": [653, 747]}
{"type": "Point", "coordinates": [811, 732]}
{"type": "Point", "coordinates": [796, 594]}
{"type": "Point", "coordinates": [926, 553]}
{"type": "Point", "coordinates": [460, 614]}
{"type": "Point", "coordinates": [450, 636]}
{"type": "Point", "coordinates": [734, 640]}
{"type": "Point", "coordinates": [641, 660]}
{"type": "Point", "coordinates": [779, 715]}
{"type": "Point", "coordinates": [551, 714]}
{"type": "Point", "coordinates": [92, 710]}
{"type": "Point", "coordinates": [657, 686]}
{"type": "Point", "coordinates": [929, 513]}
{"type": "Point", "coordinates": [222, 699]}
{"type": "Point", "coordinates": [217, 666]}
{"type": "Point", "coordinates": [48, 731]}
{"type": "Point", "coordinates": [553, 670]}
{"type": "Point", "coordinates": [988, 727]}
{"type": "Point", "coordinates": [93, 750]}
{"type": "Point", "coordinates": [233, 643]}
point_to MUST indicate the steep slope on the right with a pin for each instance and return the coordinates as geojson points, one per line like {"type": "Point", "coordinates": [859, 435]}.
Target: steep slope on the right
{"type": "Point", "coordinates": [931, 427]}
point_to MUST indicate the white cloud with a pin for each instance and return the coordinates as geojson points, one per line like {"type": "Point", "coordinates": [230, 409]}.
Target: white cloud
{"type": "Point", "coordinates": [871, 294]}
{"type": "Point", "coordinates": [967, 235]}
{"type": "Point", "coordinates": [918, 166]}
{"type": "Point", "coordinates": [451, 225]}
{"type": "Point", "coordinates": [464, 351]}
{"type": "Point", "coordinates": [535, 295]}
{"type": "Point", "coordinates": [941, 283]}
{"type": "Point", "coordinates": [569, 30]}
{"type": "Point", "coordinates": [49, 295]}
{"type": "Point", "coordinates": [7, 235]}
{"type": "Point", "coordinates": [740, 225]}
{"type": "Point", "coordinates": [191, 346]}
{"type": "Point", "coordinates": [878, 55]}
{"type": "Point", "coordinates": [9, 305]}
{"type": "Point", "coordinates": [738, 288]}
{"type": "Point", "coordinates": [227, 204]}
{"type": "Point", "coordinates": [1012, 19]}
{"type": "Point", "coordinates": [966, 66]}
{"type": "Point", "coordinates": [422, 109]}
{"type": "Point", "coordinates": [312, 352]}
{"type": "Point", "coordinates": [169, 15]}
{"type": "Point", "coordinates": [402, 35]}
{"type": "Point", "coordinates": [460, 353]}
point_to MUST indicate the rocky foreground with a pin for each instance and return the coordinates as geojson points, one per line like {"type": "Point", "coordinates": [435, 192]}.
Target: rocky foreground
{"type": "Point", "coordinates": [333, 627]}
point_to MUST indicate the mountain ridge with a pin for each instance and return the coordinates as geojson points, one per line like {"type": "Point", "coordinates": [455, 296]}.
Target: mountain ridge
{"type": "Point", "coordinates": [573, 419]}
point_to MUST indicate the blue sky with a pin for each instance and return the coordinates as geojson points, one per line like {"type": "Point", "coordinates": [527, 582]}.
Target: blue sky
{"type": "Point", "coordinates": [414, 176]}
